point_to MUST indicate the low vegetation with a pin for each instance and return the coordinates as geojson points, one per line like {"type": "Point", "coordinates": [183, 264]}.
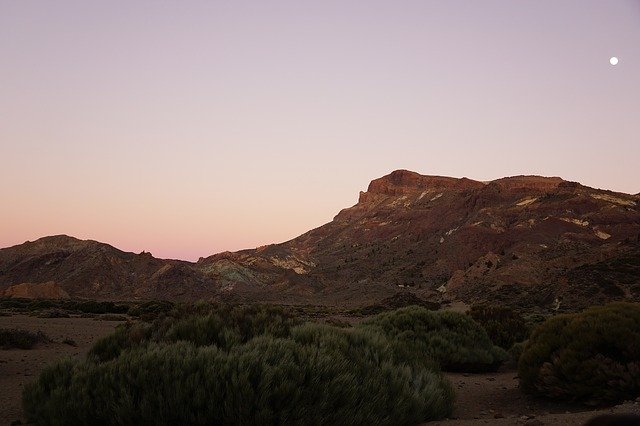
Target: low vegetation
{"type": "Point", "coordinates": [504, 326]}
{"type": "Point", "coordinates": [222, 326]}
{"type": "Point", "coordinates": [241, 365]}
{"type": "Point", "coordinates": [264, 381]}
{"type": "Point", "coordinates": [592, 357]}
{"type": "Point", "coordinates": [453, 340]}
{"type": "Point", "coordinates": [515, 352]}
{"type": "Point", "coordinates": [63, 307]}
{"type": "Point", "coordinates": [21, 339]}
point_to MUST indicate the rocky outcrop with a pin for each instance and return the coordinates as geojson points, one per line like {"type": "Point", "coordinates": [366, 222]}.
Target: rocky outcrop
{"type": "Point", "coordinates": [48, 290]}
{"type": "Point", "coordinates": [402, 182]}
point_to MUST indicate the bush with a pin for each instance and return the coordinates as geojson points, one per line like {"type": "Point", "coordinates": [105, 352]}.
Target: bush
{"type": "Point", "coordinates": [453, 340]}
{"type": "Point", "coordinates": [14, 303]}
{"type": "Point", "coordinates": [103, 307]}
{"type": "Point", "coordinates": [265, 381]}
{"type": "Point", "coordinates": [231, 325]}
{"type": "Point", "coordinates": [112, 317]}
{"type": "Point", "coordinates": [503, 325]}
{"type": "Point", "coordinates": [515, 352]}
{"type": "Point", "coordinates": [53, 313]}
{"type": "Point", "coordinates": [592, 357]}
{"type": "Point", "coordinates": [358, 343]}
{"type": "Point", "coordinates": [125, 336]}
{"type": "Point", "coordinates": [224, 327]}
{"type": "Point", "coordinates": [151, 310]}
{"type": "Point", "coordinates": [40, 304]}
{"type": "Point", "coordinates": [21, 339]}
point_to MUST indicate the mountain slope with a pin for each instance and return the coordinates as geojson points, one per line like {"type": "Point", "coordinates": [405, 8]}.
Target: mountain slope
{"type": "Point", "coordinates": [523, 240]}
{"type": "Point", "coordinates": [96, 270]}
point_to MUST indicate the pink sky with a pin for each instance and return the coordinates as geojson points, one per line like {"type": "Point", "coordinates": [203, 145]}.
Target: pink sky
{"type": "Point", "coordinates": [193, 127]}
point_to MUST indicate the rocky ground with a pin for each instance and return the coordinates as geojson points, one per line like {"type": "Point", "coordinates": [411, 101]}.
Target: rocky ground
{"type": "Point", "coordinates": [494, 398]}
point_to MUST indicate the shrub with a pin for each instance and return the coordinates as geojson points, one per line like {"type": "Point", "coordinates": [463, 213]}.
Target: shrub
{"type": "Point", "coordinates": [224, 327]}
{"type": "Point", "coordinates": [592, 357]}
{"type": "Point", "coordinates": [151, 310]}
{"type": "Point", "coordinates": [112, 317]}
{"type": "Point", "coordinates": [503, 325]}
{"type": "Point", "coordinates": [20, 339]}
{"type": "Point", "coordinates": [125, 336]}
{"type": "Point", "coordinates": [39, 304]}
{"type": "Point", "coordinates": [453, 340]}
{"type": "Point", "coordinates": [265, 381]}
{"type": "Point", "coordinates": [231, 325]}
{"type": "Point", "coordinates": [359, 343]}
{"type": "Point", "coordinates": [14, 303]}
{"type": "Point", "coordinates": [398, 300]}
{"type": "Point", "coordinates": [515, 352]}
{"type": "Point", "coordinates": [102, 307]}
{"type": "Point", "coordinates": [53, 313]}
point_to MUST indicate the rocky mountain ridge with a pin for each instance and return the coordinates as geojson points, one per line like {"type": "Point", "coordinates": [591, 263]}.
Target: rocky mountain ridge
{"type": "Point", "coordinates": [522, 240]}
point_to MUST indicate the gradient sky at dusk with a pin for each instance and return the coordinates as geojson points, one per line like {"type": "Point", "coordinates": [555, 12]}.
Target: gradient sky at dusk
{"type": "Point", "coordinates": [187, 128]}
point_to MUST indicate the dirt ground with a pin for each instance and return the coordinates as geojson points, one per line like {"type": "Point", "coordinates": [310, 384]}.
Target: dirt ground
{"type": "Point", "coordinates": [491, 398]}
{"type": "Point", "coordinates": [494, 398]}
{"type": "Point", "coordinates": [19, 366]}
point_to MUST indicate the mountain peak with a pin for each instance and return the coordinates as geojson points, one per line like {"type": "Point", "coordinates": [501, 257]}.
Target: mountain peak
{"type": "Point", "coordinates": [401, 182]}
{"type": "Point", "coordinates": [533, 182]}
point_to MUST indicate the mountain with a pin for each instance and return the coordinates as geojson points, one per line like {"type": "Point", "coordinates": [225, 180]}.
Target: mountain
{"type": "Point", "coordinates": [523, 240]}
{"type": "Point", "coordinates": [95, 270]}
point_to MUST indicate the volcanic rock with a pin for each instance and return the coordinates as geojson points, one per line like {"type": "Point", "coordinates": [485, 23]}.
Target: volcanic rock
{"type": "Point", "coordinates": [528, 241]}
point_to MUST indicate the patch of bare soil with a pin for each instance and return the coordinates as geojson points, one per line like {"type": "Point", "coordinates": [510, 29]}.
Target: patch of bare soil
{"type": "Point", "coordinates": [494, 398]}
{"type": "Point", "coordinates": [20, 366]}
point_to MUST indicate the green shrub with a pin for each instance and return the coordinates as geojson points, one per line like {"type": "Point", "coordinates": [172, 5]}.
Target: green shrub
{"type": "Point", "coordinates": [151, 310]}
{"type": "Point", "coordinates": [101, 307]}
{"type": "Point", "coordinates": [231, 325]}
{"type": "Point", "coordinates": [503, 325]}
{"type": "Point", "coordinates": [358, 343]}
{"type": "Point", "coordinates": [124, 337]}
{"type": "Point", "coordinates": [592, 357]}
{"type": "Point", "coordinates": [21, 339]}
{"type": "Point", "coordinates": [39, 304]}
{"type": "Point", "coordinates": [224, 327]}
{"type": "Point", "coordinates": [112, 317]}
{"type": "Point", "coordinates": [265, 381]}
{"type": "Point", "coordinates": [53, 313]}
{"type": "Point", "coordinates": [453, 340]}
{"type": "Point", "coordinates": [515, 352]}
{"type": "Point", "coordinates": [14, 303]}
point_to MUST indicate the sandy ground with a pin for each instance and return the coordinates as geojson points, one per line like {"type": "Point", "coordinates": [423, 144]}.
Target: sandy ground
{"type": "Point", "coordinates": [18, 366]}
{"type": "Point", "coordinates": [494, 398]}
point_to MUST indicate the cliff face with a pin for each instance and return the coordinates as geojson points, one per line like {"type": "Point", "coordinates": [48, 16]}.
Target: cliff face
{"type": "Point", "coordinates": [523, 240]}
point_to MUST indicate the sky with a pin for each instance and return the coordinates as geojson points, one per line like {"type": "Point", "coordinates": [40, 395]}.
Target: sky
{"type": "Point", "coordinates": [187, 128]}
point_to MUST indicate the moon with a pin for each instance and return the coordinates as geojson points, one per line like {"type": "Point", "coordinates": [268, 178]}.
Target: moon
{"type": "Point", "coordinates": [613, 60]}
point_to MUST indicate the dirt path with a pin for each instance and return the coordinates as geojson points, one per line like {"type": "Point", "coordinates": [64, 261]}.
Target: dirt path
{"type": "Point", "coordinates": [494, 398]}
{"type": "Point", "coordinates": [18, 366]}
